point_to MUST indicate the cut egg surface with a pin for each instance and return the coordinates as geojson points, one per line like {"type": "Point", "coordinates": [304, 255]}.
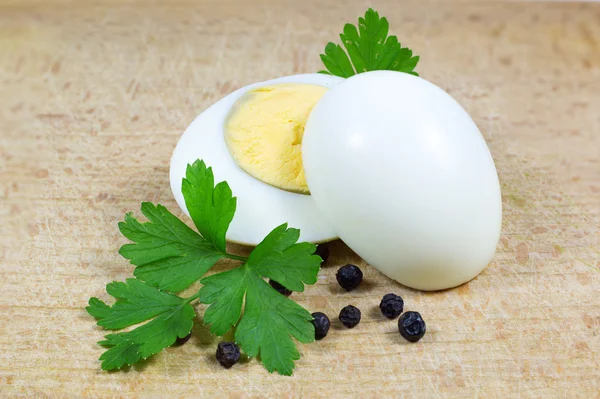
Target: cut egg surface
{"type": "Point", "coordinates": [405, 178]}
{"type": "Point", "coordinates": [264, 131]}
{"type": "Point", "coordinates": [252, 139]}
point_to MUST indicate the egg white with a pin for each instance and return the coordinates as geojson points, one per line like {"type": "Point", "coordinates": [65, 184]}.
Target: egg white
{"type": "Point", "coordinates": [405, 177]}
{"type": "Point", "coordinates": [260, 206]}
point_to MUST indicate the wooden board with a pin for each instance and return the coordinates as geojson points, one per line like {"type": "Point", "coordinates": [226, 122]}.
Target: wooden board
{"type": "Point", "coordinates": [94, 96]}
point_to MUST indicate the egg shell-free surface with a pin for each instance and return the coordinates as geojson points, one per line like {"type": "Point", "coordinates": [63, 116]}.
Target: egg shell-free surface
{"type": "Point", "coordinates": [263, 132]}
{"type": "Point", "coordinates": [405, 178]}
{"type": "Point", "coordinates": [260, 207]}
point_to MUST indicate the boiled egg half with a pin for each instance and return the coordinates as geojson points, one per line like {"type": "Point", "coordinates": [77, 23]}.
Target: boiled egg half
{"type": "Point", "coordinates": [252, 139]}
{"type": "Point", "coordinates": [387, 161]}
{"type": "Point", "coordinates": [404, 176]}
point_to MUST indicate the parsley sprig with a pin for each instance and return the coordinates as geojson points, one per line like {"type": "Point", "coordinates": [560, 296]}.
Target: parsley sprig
{"type": "Point", "coordinates": [269, 319]}
{"type": "Point", "coordinates": [369, 49]}
{"type": "Point", "coordinates": [169, 257]}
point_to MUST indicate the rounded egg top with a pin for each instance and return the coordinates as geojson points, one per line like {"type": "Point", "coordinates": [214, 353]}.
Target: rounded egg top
{"type": "Point", "coordinates": [405, 178]}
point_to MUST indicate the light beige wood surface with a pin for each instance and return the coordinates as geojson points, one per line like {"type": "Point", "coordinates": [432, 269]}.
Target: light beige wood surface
{"type": "Point", "coordinates": [93, 97]}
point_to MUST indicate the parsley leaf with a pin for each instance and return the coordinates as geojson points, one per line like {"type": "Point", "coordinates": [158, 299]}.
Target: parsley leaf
{"type": "Point", "coordinates": [370, 48]}
{"type": "Point", "coordinates": [280, 258]}
{"type": "Point", "coordinates": [168, 254]}
{"type": "Point", "coordinates": [336, 61]}
{"type": "Point", "coordinates": [211, 207]}
{"type": "Point", "coordinates": [270, 320]}
{"type": "Point", "coordinates": [137, 302]}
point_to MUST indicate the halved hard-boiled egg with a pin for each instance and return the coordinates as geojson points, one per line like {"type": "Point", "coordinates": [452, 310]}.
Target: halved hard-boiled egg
{"type": "Point", "coordinates": [252, 139]}
{"type": "Point", "coordinates": [387, 161]}
{"type": "Point", "coordinates": [405, 178]}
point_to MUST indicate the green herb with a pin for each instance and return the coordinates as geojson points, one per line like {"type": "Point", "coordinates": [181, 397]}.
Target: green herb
{"type": "Point", "coordinates": [169, 256]}
{"type": "Point", "coordinates": [369, 48]}
{"type": "Point", "coordinates": [138, 302]}
{"type": "Point", "coordinates": [269, 319]}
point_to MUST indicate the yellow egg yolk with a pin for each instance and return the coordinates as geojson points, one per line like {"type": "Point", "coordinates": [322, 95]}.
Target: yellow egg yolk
{"type": "Point", "coordinates": [264, 131]}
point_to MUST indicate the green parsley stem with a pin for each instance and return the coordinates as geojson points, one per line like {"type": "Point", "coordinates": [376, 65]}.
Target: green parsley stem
{"type": "Point", "coordinates": [236, 257]}
{"type": "Point", "coordinates": [193, 297]}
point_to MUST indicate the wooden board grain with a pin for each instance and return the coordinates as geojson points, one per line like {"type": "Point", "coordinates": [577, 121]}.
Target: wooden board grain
{"type": "Point", "coordinates": [94, 96]}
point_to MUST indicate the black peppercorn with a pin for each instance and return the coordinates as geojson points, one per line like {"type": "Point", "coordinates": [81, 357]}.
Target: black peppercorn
{"type": "Point", "coordinates": [349, 277]}
{"type": "Point", "coordinates": [322, 324]}
{"type": "Point", "coordinates": [391, 306]}
{"type": "Point", "coordinates": [411, 326]}
{"type": "Point", "coordinates": [228, 353]}
{"type": "Point", "coordinates": [350, 316]}
{"type": "Point", "coordinates": [323, 252]}
{"type": "Point", "coordinates": [181, 341]}
{"type": "Point", "coordinates": [280, 288]}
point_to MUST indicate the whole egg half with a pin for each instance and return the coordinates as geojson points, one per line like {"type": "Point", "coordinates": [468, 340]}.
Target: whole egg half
{"type": "Point", "coordinates": [260, 206]}
{"type": "Point", "coordinates": [405, 178]}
